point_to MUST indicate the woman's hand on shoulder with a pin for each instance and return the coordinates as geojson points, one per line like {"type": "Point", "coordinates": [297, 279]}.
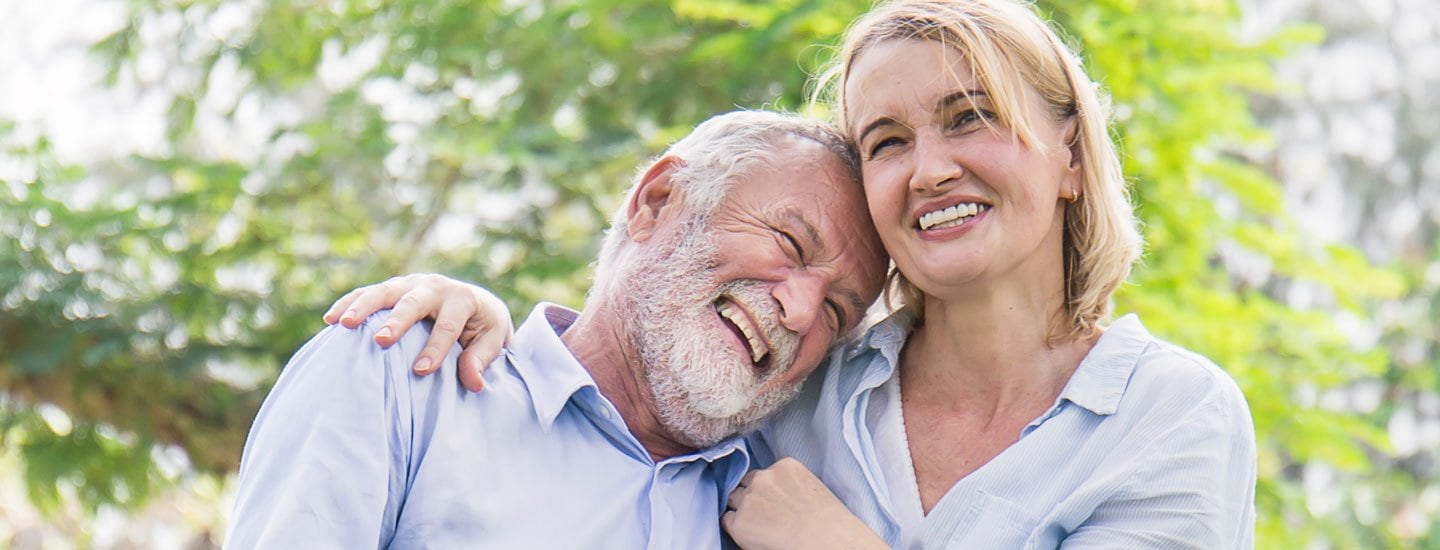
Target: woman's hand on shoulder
{"type": "Point", "coordinates": [786, 506]}
{"type": "Point", "coordinates": [463, 313]}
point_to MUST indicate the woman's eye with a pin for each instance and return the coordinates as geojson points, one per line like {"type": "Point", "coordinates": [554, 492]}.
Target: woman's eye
{"type": "Point", "coordinates": [880, 146]}
{"type": "Point", "coordinates": [969, 117]}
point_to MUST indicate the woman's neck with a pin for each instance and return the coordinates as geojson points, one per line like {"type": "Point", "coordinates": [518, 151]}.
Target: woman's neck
{"type": "Point", "coordinates": [991, 349]}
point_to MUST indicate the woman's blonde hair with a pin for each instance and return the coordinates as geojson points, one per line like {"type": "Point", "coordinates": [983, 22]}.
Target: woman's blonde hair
{"type": "Point", "coordinates": [1011, 52]}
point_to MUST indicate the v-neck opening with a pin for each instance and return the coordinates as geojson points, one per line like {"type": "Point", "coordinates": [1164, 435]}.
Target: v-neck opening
{"type": "Point", "coordinates": [892, 445]}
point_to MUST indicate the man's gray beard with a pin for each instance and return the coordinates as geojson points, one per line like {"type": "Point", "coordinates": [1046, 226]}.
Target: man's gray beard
{"type": "Point", "coordinates": [704, 389]}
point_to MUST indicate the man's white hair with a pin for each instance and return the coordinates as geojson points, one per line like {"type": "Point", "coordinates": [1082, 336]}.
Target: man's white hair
{"type": "Point", "coordinates": [723, 150]}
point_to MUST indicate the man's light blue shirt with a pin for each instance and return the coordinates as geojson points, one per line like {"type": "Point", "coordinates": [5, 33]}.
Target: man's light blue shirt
{"type": "Point", "coordinates": [352, 450]}
{"type": "Point", "coordinates": [1147, 446]}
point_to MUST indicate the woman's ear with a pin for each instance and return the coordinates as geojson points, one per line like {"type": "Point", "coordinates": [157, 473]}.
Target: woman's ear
{"type": "Point", "coordinates": [1072, 143]}
{"type": "Point", "coordinates": [655, 191]}
{"type": "Point", "coordinates": [1073, 181]}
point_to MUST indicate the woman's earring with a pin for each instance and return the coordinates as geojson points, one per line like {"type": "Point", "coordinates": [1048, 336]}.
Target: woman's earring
{"type": "Point", "coordinates": [1074, 196]}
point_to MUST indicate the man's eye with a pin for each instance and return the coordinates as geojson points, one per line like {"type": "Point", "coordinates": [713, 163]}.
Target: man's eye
{"type": "Point", "coordinates": [837, 314]}
{"type": "Point", "coordinates": [798, 252]}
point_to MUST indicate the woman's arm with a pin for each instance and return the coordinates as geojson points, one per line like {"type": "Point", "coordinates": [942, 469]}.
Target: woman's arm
{"type": "Point", "coordinates": [463, 313]}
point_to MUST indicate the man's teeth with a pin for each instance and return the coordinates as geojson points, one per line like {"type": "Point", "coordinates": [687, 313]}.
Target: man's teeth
{"type": "Point", "coordinates": [732, 312]}
{"type": "Point", "coordinates": [952, 216]}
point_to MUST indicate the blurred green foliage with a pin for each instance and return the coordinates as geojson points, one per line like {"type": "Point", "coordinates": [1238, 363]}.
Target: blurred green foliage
{"type": "Point", "coordinates": [313, 147]}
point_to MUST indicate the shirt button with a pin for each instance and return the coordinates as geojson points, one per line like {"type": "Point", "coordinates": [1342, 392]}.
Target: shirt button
{"type": "Point", "coordinates": [605, 412]}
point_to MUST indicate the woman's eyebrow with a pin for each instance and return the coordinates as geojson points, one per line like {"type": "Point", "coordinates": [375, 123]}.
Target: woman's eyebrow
{"type": "Point", "coordinates": [874, 125]}
{"type": "Point", "coordinates": [945, 103]}
{"type": "Point", "coordinates": [955, 97]}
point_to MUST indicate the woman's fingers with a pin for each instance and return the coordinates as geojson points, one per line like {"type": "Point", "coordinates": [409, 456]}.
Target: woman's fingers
{"type": "Point", "coordinates": [375, 298]}
{"type": "Point", "coordinates": [419, 303]}
{"type": "Point", "coordinates": [463, 313]}
{"type": "Point", "coordinates": [477, 356]}
{"type": "Point", "coordinates": [332, 315]}
{"type": "Point", "coordinates": [449, 322]}
{"type": "Point", "coordinates": [485, 335]}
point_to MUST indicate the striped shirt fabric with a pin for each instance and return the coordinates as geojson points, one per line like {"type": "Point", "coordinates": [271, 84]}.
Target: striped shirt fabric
{"type": "Point", "coordinates": [1147, 446]}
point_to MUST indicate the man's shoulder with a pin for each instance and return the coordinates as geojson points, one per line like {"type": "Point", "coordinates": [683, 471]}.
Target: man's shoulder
{"type": "Point", "coordinates": [360, 341]}
{"type": "Point", "coordinates": [344, 369]}
{"type": "Point", "coordinates": [336, 430]}
{"type": "Point", "coordinates": [334, 347]}
{"type": "Point", "coordinates": [505, 385]}
{"type": "Point", "coordinates": [346, 362]}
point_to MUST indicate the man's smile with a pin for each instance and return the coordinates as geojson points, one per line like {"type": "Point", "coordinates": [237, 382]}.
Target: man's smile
{"type": "Point", "coordinates": [742, 323]}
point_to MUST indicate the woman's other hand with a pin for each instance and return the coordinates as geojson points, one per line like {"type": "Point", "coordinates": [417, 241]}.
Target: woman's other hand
{"type": "Point", "coordinates": [786, 506]}
{"type": "Point", "coordinates": [463, 313]}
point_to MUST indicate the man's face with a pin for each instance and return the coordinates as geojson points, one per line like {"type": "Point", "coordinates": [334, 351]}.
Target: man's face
{"type": "Point", "coordinates": [730, 314]}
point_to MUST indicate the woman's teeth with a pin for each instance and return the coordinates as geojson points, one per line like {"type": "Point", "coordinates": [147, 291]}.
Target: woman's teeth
{"type": "Point", "coordinates": [952, 216]}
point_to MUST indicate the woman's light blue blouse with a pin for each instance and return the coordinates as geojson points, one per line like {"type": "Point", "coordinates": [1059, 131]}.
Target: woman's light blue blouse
{"type": "Point", "coordinates": [1148, 446]}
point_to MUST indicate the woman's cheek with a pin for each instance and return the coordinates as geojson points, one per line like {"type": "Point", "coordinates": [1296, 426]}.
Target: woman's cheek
{"type": "Point", "coordinates": [885, 197]}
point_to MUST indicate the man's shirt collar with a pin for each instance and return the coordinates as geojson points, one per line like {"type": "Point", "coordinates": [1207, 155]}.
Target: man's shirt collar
{"type": "Point", "coordinates": [553, 376]}
{"type": "Point", "coordinates": [551, 373]}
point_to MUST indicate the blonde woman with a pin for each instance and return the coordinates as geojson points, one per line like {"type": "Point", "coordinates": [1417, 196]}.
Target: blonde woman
{"type": "Point", "coordinates": [992, 408]}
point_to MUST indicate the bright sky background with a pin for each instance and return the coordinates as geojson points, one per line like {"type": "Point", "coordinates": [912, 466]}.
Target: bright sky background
{"type": "Point", "coordinates": [51, 83]}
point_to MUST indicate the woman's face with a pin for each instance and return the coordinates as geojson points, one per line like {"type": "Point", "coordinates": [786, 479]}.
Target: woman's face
{"type": "Point", "coordinates": [956, 202]}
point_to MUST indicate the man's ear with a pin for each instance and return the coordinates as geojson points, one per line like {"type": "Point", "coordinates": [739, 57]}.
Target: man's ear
{"type": "Point", "coordinates": [655, 191]}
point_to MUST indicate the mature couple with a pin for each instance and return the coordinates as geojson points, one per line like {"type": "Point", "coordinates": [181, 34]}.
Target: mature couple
{"type": "Point", "coordinates": [991, 410]}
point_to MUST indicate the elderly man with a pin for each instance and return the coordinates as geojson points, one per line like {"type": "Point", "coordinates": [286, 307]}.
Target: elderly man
{"type": "Point", "coordinates": [737, 259]}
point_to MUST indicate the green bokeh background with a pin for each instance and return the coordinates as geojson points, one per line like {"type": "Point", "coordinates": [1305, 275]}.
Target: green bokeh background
{"type": "Point", "coordinates": [149, 302]}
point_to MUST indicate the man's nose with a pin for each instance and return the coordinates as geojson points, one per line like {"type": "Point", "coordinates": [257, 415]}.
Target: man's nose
{"type": "Point", "coordinates": [801, 297]}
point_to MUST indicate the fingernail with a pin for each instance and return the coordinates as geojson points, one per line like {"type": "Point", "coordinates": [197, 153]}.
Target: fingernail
{"type": "Point", "coordinates": [423, 365]}
{"type": "Point", "coordinates": [348, 316]}
{"type": "Point", "coordinates": [384, 333]}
